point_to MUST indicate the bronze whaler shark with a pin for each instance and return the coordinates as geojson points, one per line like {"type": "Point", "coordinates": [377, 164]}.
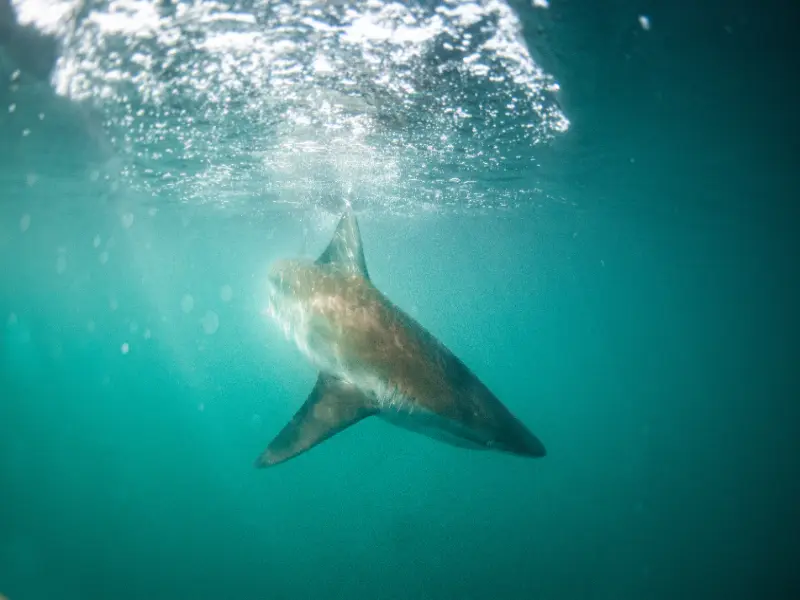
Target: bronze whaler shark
{"type": "Point", "coordinates": [374, 359]}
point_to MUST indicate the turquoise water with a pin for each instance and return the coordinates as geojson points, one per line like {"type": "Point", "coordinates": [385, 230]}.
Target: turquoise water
{"type": "Point", "coordinates": [623, 279]}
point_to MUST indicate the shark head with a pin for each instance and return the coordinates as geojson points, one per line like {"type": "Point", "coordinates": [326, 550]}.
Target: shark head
{"type": "Point", "coordinates": [304, 280]}
{"type": "Point", "coordinates": [296, 292]}
{"type": "Point", "coordinates": [291, 279]}
{"type": "Point", "coordinates": [314, 304]}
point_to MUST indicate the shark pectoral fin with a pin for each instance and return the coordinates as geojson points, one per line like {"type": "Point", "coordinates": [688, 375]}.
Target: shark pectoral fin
{"type": "Point", "coordinates": [332, 406]}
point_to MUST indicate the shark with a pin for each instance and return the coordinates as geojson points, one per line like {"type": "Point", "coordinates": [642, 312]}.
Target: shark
{"type": "Point", "coordinates": [375, 360]}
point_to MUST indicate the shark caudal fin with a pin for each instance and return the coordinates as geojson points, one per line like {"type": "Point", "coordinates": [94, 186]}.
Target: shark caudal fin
{"type": "Point", "coordinates": [331, 407]}
{"type": "Point", "coordinates": [345, 249]}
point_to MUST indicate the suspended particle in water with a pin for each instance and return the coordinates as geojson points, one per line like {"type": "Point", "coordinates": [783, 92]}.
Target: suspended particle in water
{"type": "Point", "coordinates": [90, 326]}
{"type": "Point", "coordinates": [644, 21]}
{"type": "Point", "coordinates": [127, 220]}
{"type": "Point", "coordinates": [103, 258]}
{"type": "Point", "coordinates": [31, 179]}
{"type": "Point", "coordinates": [256, 421]}
{"type": "Point", "coordinates": [201, 407]}
{"type": "Point", "coordinates": [210, 322]}
{"type": "Point", "coordinates": [26, 132]}
{"type": "Point", "coordinates": [134, 327]}
{"type": "Point", "coordinates": [187, 303]}
{"type": "Point", "coordinates": [24, 223]}
{"type": "Point", "coordinates": [12, 319]}
{"type": "Point", "coordinates": [125, 348]}
{"type": "Point", "coordinates": [541, 4]}
{"type": "Point", "coordinates": [12, 108]}
{"type": "Point", "coordinates": [226, 293]}
{"type": "Point", "coordinates": [56, 349]}
{"type": "Point", "coordinates": [112, 304]}
{"type": "Point", "coordinates": [146, 334]}
{"type": "Point", "coordinates": [97, 241]}
{"type": "Point", "coordinates": [61, 264]}
{"type": "Point", "coordinates": [152, 212]}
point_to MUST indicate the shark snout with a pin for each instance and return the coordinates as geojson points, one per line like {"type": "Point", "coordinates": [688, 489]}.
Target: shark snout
{"type": "Point", "coordinates": [276, 272]}
{"type": "Point", "coordinates": [280, 277]}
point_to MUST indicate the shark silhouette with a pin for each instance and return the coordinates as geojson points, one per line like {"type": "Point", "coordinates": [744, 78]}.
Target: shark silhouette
{"type": "Point", "coordinates": [374, 359]}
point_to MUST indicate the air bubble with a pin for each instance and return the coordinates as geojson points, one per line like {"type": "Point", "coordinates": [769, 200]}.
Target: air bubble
{"type": "Point", "coordinates": [210, 322]}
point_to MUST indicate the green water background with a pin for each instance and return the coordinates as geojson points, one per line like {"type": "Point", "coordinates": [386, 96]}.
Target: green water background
{"type": "Point", "coordinates": [645, 328]}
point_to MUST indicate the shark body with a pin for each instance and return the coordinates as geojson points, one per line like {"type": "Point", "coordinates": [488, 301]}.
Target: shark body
{"type": "Point", "coordinates": [375, 360]}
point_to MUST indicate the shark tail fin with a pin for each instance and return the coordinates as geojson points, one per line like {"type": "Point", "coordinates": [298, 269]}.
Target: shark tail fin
{"type": "Point", "coordinates": [332, 406]}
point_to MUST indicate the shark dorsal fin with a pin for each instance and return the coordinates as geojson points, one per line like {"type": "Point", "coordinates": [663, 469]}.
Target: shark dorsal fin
{"type": "Point", "coordinates": [332, 406]}
{"type": "Point", "coordinates": [345, 249]}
